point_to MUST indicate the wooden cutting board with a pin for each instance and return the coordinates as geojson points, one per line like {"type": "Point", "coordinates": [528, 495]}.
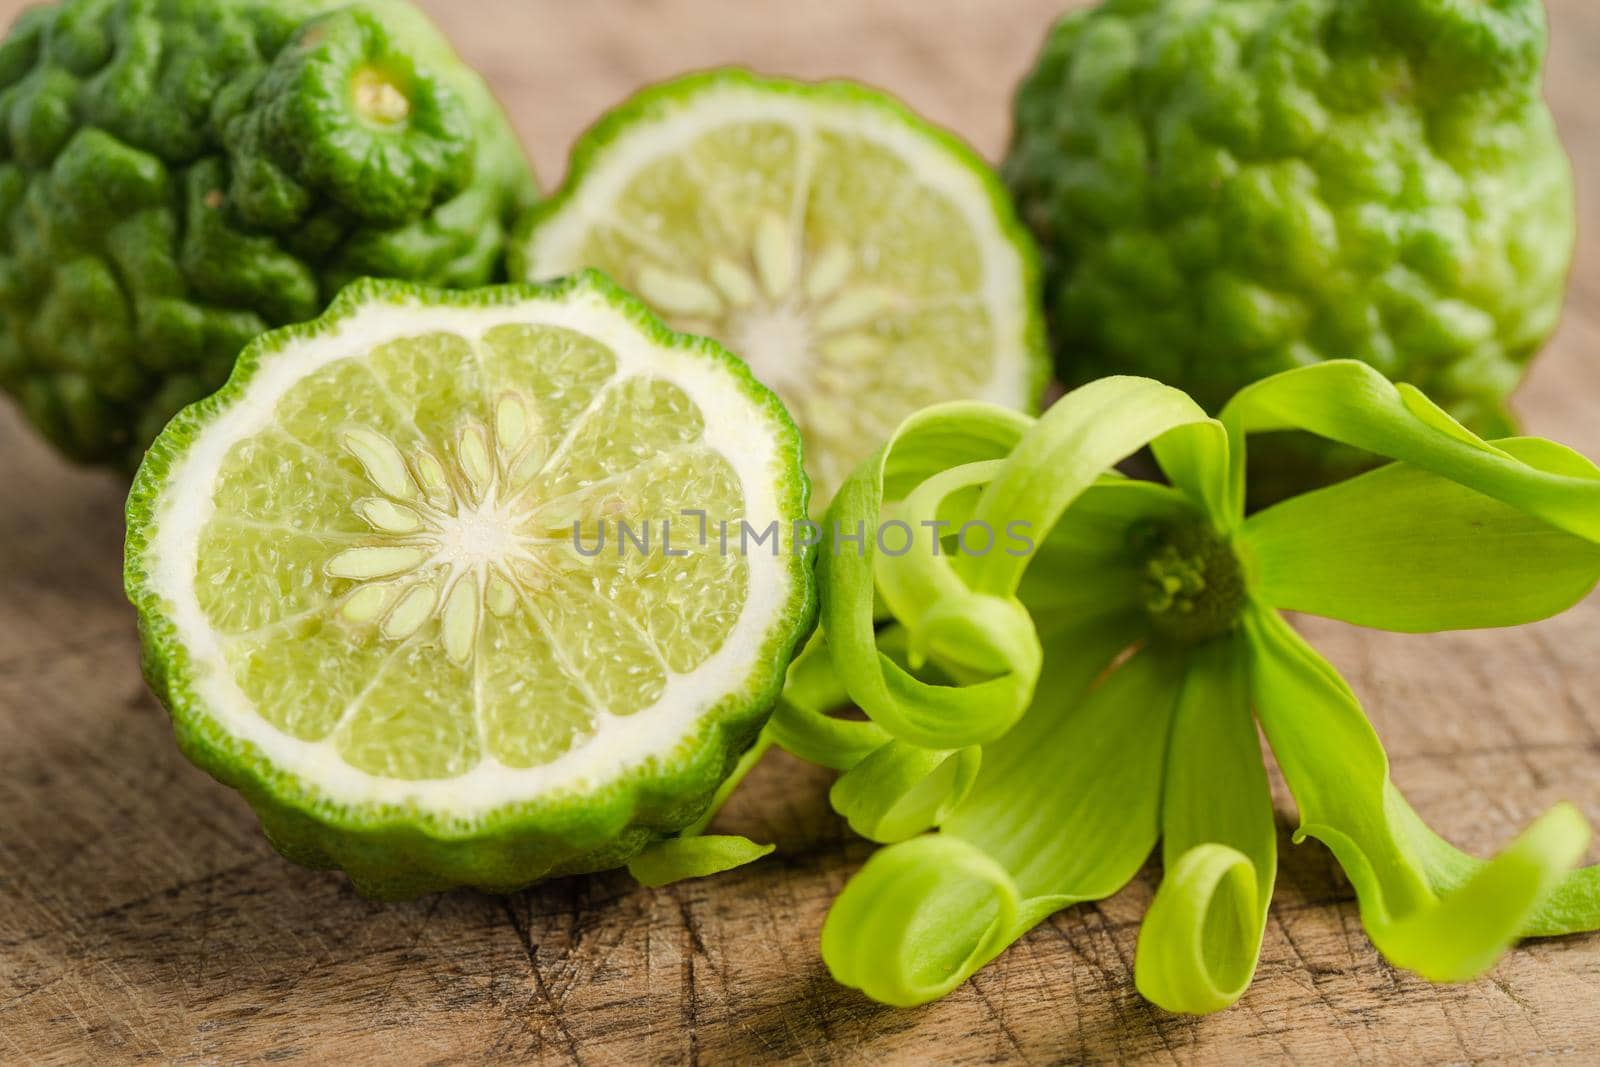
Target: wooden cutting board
{"type": "Point", "coordinates": [143, 917]}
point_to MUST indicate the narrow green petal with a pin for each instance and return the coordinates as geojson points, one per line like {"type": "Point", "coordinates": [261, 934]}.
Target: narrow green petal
{"type": "Point", "coordinates": [1202, 935]}
{"type": "Point", "coordinates": [1070, 800]}
{"type": "Point", "coordinates": [947, 435]}
{"type": "Point", "coordinates": [1475, 923]}
{"type": "Point", "coordinates": [1340, 779]}
{"type": "Point", "coordinates": [907, 588]}
{"type": "Point", "coordinates": [1334, 764]}
{"type": "Point", "coordinates": [1195, 459]}
{"type": "Point", "coordinates": [1549, 456]}
{"type": "Point", "coordinates": [1401, 548]}
{"type": "Point", "coordinates": [1572, 906]}
{"type": "Point", "coordinates": [678, 858]}
{"type": "Point", "coordinates": [1349, 402]}
{"type": "Point", "coordinates": [900, 790]}
{"type": "Point", "coordinates": [1083, 435]}
{"type": "Point", "coordinates": [819, 738]}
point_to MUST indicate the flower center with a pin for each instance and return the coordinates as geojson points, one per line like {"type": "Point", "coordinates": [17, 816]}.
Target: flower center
{"type": "Point", "coordinates": [1191, 585]}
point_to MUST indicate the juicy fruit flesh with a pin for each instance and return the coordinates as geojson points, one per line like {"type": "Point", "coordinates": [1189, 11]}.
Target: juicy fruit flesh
{"type": "Point", "coordinates": [392, 570]}
{"type": "Point", "coordinates": [852, 288]}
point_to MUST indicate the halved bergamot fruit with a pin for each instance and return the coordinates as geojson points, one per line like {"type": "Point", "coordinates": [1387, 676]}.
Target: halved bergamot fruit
{"type": "Point", "coordinates": [367, 606]}
{"type": "Point", "coordinates": [864, 262]}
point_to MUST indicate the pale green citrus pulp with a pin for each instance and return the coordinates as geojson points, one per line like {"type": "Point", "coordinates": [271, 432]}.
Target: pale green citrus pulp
{"type": "Point", "coordinates": [864, 263]}
{"type": "Point", "coordinates": [368, 554]}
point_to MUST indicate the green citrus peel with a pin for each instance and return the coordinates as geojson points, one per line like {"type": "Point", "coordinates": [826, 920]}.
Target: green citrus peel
{"type": "Point", "coordinates": [1054, 714]}
{"type": "Point", "coordinates": [178, 177]}
{"type": "Point", "coordinates": [1225, 189]}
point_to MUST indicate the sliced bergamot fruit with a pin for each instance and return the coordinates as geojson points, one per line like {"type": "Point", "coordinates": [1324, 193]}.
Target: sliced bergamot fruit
{"type": "Point", "coordinates": [863, 262]}
{"type": "Point", "coordinates": [392, 584]}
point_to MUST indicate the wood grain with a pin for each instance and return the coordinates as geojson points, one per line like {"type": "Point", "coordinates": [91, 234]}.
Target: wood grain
{"type": "Point", "coordinates": [142, 916]}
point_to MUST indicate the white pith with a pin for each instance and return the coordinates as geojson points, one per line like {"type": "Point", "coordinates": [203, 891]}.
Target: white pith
{"type": "Point", "coordinates": [774, 329]}
{"type": "Point", "coordinates": [735, 427]}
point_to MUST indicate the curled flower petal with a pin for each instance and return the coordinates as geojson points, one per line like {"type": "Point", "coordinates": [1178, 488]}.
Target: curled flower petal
{"type": "Point", "coordinates": [1571, 906]}
{"type": "Point", "coordinates": [1339, 776]}
{"type": "Point", "coordinates": [938, 716]}
{"type": "Point", "coordinates": [1066, 807]}
{"type": "Point", "coordinates": [918, 919]}
{"type": "Point", "coordinates": [1086, 433]}
{"type": "Point", "coordinates": [961, 612]}
{"type": "Point", "coordinates": [1195, 459]}
{"type": "Point", "coordinates": [900, 790]}
{"type": "Point", "coordinates": [801, 724]}
{"type": "Point", "coordinates": [907, 588]}
{"type": "Point", "coordinates": [1350, 402]}
{"type": "Point", "coordinates": [1471, 925]}
{"type": "Point", "coordinates": [1201, 937]}
{"type": "Point", "coordinates": [819, 738]}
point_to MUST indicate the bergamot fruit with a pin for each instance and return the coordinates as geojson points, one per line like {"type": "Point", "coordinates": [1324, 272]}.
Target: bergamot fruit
{"type": "Point", "coordinates": [176, 176]}
{"type": "Point", "coordinates": [1225, 189]}
{"type": "Point", "coordinates": [865, 263]}
{"type": "Point", "coordinates": [391, 587]}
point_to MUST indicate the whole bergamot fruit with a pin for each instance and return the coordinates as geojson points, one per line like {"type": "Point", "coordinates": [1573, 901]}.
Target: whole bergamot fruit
{"type": "Point", "coordinates": [1224, 189]}
{"type": "Point", "coordinates": [177, 176]}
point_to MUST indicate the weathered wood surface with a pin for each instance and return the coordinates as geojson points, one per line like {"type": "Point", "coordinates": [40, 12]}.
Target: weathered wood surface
{"type": "Point", "coordinates": [142, 916]}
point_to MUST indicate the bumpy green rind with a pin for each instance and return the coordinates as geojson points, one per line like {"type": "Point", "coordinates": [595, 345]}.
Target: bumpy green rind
{"type": "Point", "coordinates": [394, 852]}
{"type": "Point", "coordinates": [1225, 189]}
{"type": "Point", "coordinates": [177, 176]}
{"type": "Point", "coordinates": [654, 102]}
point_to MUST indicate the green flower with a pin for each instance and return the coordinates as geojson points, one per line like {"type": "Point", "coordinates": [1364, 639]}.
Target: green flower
{"type": "Point", "coordinates": [1055, 713]}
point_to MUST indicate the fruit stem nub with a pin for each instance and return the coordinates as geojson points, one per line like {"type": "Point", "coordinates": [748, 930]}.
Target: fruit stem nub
{"type": "Point", "coordinates": [378, 99]}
